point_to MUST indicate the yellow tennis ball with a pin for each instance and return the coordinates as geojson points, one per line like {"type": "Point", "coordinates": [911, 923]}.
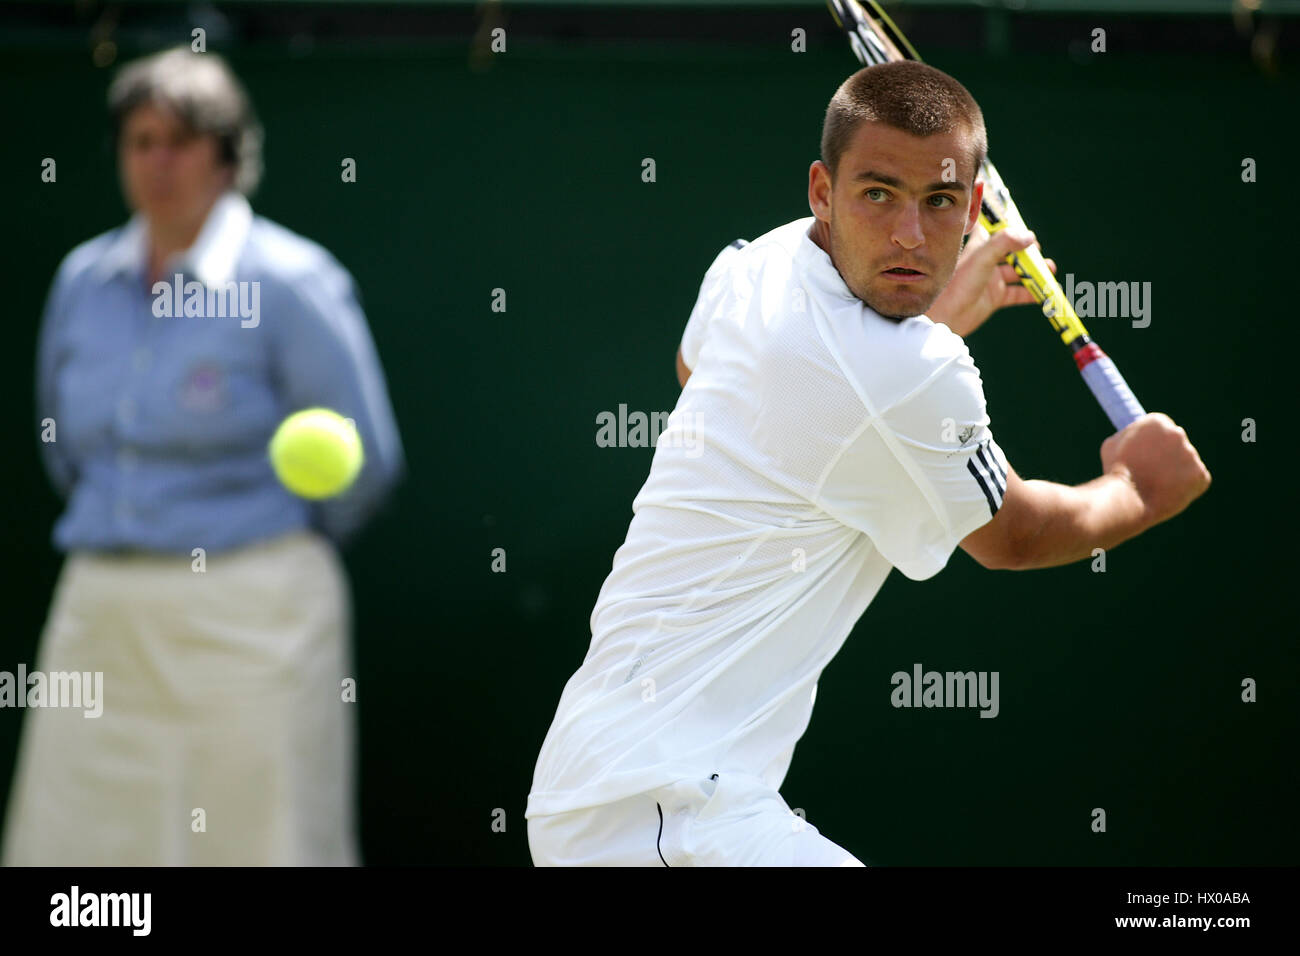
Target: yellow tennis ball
{"type": "Point", "coordinates": [316, 453]}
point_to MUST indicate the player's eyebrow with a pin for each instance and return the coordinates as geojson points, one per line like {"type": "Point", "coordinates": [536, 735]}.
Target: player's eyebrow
{"type": "Point", "coordinates": [872, 176]}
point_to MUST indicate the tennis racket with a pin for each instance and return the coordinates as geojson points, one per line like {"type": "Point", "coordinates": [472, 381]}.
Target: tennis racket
{"type": "Point", "coordinates": [875, 39]}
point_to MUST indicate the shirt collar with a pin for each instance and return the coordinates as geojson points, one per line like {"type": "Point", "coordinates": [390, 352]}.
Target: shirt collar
{"type": "Point", "coordinates": [817, 263]}
{"type": "Point", "coordinates": [211, 259]}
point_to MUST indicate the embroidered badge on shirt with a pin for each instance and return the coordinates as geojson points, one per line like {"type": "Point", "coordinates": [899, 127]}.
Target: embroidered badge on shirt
{"type": "Point", "coordinates": [204, 389]}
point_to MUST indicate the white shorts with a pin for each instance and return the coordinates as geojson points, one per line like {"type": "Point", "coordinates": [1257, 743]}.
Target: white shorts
{"type": "Point", "coordinates": [729, 819]}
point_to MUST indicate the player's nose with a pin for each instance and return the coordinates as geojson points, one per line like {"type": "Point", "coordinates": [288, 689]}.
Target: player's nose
{"type": "Point", "coordinates": [907, 228]}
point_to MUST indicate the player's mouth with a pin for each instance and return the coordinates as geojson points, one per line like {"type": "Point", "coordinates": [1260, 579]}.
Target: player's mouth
{"type": "Point", "coordinates": [903, 274]}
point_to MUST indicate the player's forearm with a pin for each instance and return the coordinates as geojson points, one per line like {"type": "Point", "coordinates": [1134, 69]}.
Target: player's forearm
{"type": "Point", "coordinates": [1071, 521]}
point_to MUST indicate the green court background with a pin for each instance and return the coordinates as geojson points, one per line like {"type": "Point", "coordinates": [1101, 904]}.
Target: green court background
{"type": "Point", "coordinates": [1119, 690]}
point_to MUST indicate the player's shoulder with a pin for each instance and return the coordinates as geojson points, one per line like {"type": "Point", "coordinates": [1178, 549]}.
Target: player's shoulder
{"type": "Point", "coordinates": [741, 267]}
{"type": "Point", "coordinates": [932, 372]}
{"type": "Point", "coordinates": [777, 249]}
{"type": "Point", "coordinates": [787, 237]}
{"type": "Point", "coordinates": [751, 255]}
{"type": "Point", "coordinates": [935, 346]}
{"type": "Point", "coordinates": [897, 361]}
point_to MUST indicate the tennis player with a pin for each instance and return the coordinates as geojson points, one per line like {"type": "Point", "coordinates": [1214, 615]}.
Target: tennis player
{"type": "Point", "coordinates": [831, 429]}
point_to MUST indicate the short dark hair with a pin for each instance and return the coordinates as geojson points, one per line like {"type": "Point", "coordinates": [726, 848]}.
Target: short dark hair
{"type": "Point", "coordinates": [906, 95]}
{"type": "Point", "coordinates": [203, 91]}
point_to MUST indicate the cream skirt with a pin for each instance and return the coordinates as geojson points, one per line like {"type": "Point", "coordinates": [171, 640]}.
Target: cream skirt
{"type": "Point", "coordinates": [224, 737]}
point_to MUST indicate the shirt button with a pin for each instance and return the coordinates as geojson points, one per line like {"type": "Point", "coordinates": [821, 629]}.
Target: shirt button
{"type": "Point", "coordinates": [126, 410]}
{"type": "Point", "coordinates": [141, 359]}
{"type": "Point", "coordinates": [126, 459]}
{"type": "Point", "coordinates": [123, 510]}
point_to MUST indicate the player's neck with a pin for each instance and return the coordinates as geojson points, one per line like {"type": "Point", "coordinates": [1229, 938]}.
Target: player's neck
{"type": "Point", "coordinates": [820, 233]}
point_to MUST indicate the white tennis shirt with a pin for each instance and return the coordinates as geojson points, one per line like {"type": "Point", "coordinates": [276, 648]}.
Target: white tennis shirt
{"type": "Point", "coordinates": [816, 446]}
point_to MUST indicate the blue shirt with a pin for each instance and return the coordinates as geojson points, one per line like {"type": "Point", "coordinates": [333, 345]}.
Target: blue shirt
{"type": "Point", "coordinates": [161, 416]}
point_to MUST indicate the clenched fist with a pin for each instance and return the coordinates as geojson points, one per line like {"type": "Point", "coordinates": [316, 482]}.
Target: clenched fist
{"type": "Point", "coordinates": [1154, 453]}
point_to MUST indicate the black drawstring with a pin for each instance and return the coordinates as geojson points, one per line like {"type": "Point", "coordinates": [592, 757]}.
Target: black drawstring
{"type": "Point", "coordinates": [661, 833]}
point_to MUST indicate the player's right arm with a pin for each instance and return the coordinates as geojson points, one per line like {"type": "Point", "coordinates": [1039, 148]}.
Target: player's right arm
{"type": "Point", "coordinates": [1151, 473]}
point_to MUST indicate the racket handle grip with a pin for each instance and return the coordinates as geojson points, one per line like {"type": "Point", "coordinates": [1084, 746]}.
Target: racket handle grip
{"type": "Point", "coordinates": [1108, 386]}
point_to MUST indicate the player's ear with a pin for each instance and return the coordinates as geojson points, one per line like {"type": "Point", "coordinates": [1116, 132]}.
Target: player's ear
{"type": "Point", "coordinates": [819, 190]}
{"type": "Point", "coordinates": [973, 213]}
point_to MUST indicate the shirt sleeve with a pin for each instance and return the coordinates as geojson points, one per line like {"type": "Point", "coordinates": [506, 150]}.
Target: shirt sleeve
{"type": "Point", "coordinates": [923, 475]}
{"type": "Point", "coordinates": [712, 292]}
{"type": "Point", "coordinates": [58, 463]}
{"type": "Point", "coordinates": [325, 357]}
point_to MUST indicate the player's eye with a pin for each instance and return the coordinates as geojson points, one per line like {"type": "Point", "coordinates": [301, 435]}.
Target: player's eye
{"type": "Point", "coordinates": [944, 201]}
{"type": "Point", "coordinates": [876, 194]}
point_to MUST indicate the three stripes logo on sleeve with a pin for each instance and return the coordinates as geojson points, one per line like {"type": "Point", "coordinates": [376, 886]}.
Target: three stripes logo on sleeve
{"type": "Point", "coordinates": [986, 468]}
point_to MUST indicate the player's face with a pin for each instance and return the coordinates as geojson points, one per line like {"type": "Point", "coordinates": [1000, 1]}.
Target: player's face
{"type": "Point", "coordinates": [894, 218]}
{"type": "Point", "coordinates": [169, 173]}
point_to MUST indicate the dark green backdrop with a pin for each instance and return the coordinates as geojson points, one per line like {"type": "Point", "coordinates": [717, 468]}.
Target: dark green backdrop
{"type": "Point", "coordinates": [1119, 690]}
